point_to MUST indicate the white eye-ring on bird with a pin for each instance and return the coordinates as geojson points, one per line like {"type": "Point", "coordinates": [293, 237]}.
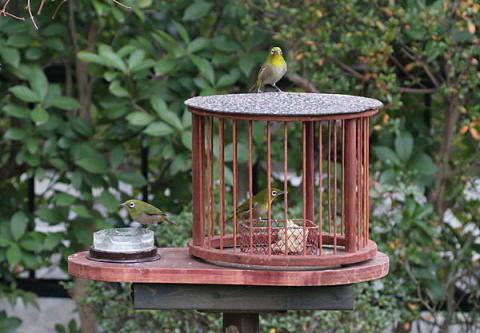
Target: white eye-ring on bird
{"type": "Point", "coordinates": [274, 193]}
{"type": "Point", "coordinates": [131, 204]}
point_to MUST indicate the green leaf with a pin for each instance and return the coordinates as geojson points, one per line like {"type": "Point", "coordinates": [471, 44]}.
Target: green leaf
{"type": "Point", "coordinates": [182, 32]}
{"type": "Point", "coordinates": [58, 163]}
{"type": "Point", "coordinates": [17, 111]}
{"type": "Point", "coordinates": [136, 58]}
{"type": "Point", "coordinates": [90, 57]}
{"type": "Point", "coordinates": [187, 139]}
{"type": "Point", "coordinates": [162, 110]}
{"type": "Point", "coordinates": [205, 68]}
{"type": "Point", "coordinates": [10, 55]}
{"type": "Point", "coordinates": [50, 215]}
{"type": "Point", "coordinates": [198, 44]}
{"type": "Point", "coordinates": [164, 66]}
{"type": "Point", "coordinates": [29, 260]}
{"type": "Point", "coordinates": [386, 155]}
{"type": "Point", "coordinates": [197, 10]}
{"type": "Point", "coordinates": [63, 102]}
{"type": "Point", "coordinates": [132, 178]}
{"type": "Point", "coordinates": [117, 90]}
{"type": "Point", "coordinates": [139, 118]}
{"type": "Point", "coordinates": [52, 240]}
{"type": "Point", "coordinates": [18, 225]}
{"type": "Point", "coordinates": [38, 82]}
{"type": "Point", "coordinates": [14, 254]}
{"type": "Point", "coordinates": [15, 133]}
{"type": "Point", "coordinates": [158, 128]}
{"type": "Point", "coordinates": [404, 145]}
{"type": "Point", "coordinates": [423, 164]}
{"type": "Point", "coordinates": [108, 201]}
{"type": "Point", "coordinates": [81, 210]}
{"type": "Point", "coordinates": [54, 43]}
{"type": "Point", "coordinates": [228, 79]}
{"type": "Point", "coordinates": [25, 94]}
{"type": "Point", "coordinates": [64, 199]}
{"type": "Point", "coordinates": [20, 40]}
{"type": "Point", "coordinates": [82, 126]}
{"type": "Point", "coordinates": [10, 324]}
{"type": "Point", "coordinates": [93, 163]}
{"type": "Point", "coordinates": [39, 115]}
{"type": "Point", "coordinates": [82, 234]}
{"type": "Point", "coordinates": [246, 63]}
{"type": "Point", "coordinates": [4, 241]}
{"type": "Point", "coordinates": [34, 53]}
{"type": "Point", "coordinates": [31, 244]}
{"type": "Point", "coordinates": [112, 59]}
{"type": "Point", "coordinates": [117, 155]}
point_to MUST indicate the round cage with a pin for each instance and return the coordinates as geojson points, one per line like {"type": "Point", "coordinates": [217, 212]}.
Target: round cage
{"type": "Point", "coordinates": [231, 133]}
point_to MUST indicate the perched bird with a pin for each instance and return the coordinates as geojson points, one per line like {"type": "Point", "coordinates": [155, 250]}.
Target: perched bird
{"type": "Point", "coordinates": [145, 213]}
{"type": "Point", "coordinates": [259, 204]}
{"type": "Point", "coordinates": [272, 70]}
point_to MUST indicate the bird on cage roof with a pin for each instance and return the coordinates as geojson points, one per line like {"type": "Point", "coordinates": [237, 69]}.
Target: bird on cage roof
{"type": "Point", "coordinates": [259, 204]}
{"type": "Point", "coordinates": [145, 213]}
{"type": "Point", "coordinates": [272, 70]}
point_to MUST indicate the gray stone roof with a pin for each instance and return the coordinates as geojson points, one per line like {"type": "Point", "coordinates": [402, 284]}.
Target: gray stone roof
{"type": "Point", "coordinates": [284, 104]}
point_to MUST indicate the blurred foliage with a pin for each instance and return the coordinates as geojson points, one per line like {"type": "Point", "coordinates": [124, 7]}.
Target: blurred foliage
{"type": "Point", "coordinates": [89, 94]}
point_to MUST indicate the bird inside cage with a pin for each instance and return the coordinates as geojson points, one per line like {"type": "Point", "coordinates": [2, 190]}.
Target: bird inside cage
{"type": "Point", "coordinates": [259, 205]}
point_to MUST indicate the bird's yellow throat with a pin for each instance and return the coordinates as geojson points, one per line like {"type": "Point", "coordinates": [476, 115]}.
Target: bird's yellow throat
{"type": "Point", "coordinates": [276, 60]}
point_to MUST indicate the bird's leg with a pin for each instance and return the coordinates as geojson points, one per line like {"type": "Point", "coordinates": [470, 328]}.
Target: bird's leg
{"type": "Point", "coordinates": [278, 89]}
{"type": "Point", "coordinates": [259, 90]}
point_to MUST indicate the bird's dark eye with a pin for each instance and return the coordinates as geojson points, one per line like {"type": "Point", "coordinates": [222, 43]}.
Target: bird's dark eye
{"type": "Point", "coordinates": [274, 193]}
{"type": "Point", "coordinates": [132, 204]}
{"type": "Point", "coordinates": [273, 52]}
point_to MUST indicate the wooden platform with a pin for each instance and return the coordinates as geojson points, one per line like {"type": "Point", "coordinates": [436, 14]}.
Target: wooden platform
{"type": "Point", "coordinates": [177, 266]}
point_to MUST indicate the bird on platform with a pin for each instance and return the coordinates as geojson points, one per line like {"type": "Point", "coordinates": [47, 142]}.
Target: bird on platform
{"type": "Point", "coordinates": [259, 204]}
{"type": "Point", "coordinates": [145, 213]}
{"type": "Point", "coordinates": [272, 70]}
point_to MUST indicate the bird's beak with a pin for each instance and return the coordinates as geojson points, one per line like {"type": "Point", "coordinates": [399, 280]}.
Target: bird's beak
{"type": "Point", "coordinates": [123, 205]}
{"type": "Point", "coordinates": [282, 192]}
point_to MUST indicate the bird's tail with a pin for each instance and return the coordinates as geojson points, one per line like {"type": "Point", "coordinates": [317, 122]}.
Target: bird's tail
{"type": "Point", "coordinates": [166, 219]}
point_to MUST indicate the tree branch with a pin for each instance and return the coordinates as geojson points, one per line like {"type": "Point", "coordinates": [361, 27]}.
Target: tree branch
{"type": "Point", "coordinates": [302, 82]}
{"type": "Point", "coordinates": [417, 90]}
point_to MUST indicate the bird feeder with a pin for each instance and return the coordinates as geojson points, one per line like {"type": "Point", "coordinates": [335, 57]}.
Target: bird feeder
{"type": "Point", "coordinates": [123, 245]}
{"type": "Point", "coordinates": [333, 226]}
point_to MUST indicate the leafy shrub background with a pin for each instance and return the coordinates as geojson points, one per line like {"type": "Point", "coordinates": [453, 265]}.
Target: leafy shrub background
{"type": "Point", "coordinates": [87, 95]}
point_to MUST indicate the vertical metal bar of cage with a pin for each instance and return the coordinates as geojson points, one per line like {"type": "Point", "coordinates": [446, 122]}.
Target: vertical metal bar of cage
{"type": "Point", "coordinates": [343, 179]}
{"type": "Point", "coordinates": [235, 181]}
{"type": "Point", "coordinates": [367, 171]}
{"type": "Point", "coordinates": [269, 187]}
{"type": "Point", "coordinates": [310, 179]}
{"type": "Point", "coordinates": [329, 176]}
{"type": "Point", "coordinates": [365, 180]}
{"type": "Point", "coordinates": [310, 159]}
{"type": "Point", "coordinates": [335, 187]}
{"type": "Point", "coordinates": [285, 181]}
{"type": "Point", "coordinates": [221, 168]}
{"type": "Point", "coordinates": [250, 182]}
{"type": "Point", "coordinates": [304, 168]}
{"type": "Point", "coordinates": [210, 188]}
{"type": "Point", "coordinates": [198, 174]}
{"type": "Point", "coordinates": [320, 188]}
{"type": "Point", "coordinates": [350, 184]}
{"type": "Point", "coordinates": [359, 182]}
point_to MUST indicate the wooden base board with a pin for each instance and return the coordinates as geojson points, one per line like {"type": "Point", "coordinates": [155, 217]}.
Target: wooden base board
{"type": "Point", "coordinates": [204, 297]}
{"type": "Point", "coordinates": [177, 266]}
